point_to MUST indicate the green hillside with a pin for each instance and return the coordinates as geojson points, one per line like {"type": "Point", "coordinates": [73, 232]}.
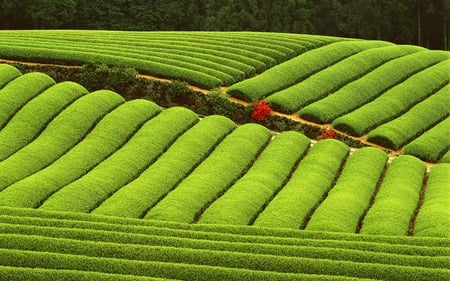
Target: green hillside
{"type": "Point", "coordinates": [97, 187]}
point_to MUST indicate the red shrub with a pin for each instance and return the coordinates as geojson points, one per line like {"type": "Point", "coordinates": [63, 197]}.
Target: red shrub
{"type": "Point", "coordinates": [261, 110]}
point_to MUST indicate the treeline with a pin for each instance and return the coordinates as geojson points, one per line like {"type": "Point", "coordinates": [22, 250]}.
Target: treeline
{"type": "Point", "coordinates": [419, 22]}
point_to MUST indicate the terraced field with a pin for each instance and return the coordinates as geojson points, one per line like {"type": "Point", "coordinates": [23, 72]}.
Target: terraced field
{"type": "Point", "coordinates": [355, 86]}
{"type": "Point", "coordinates": [205, 59]}
{"type": "Point", "coordinates": [93, 187]}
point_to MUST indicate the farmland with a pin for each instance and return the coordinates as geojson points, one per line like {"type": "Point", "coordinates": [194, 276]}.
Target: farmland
{"type": "Point", "coordinates": [97, 187]}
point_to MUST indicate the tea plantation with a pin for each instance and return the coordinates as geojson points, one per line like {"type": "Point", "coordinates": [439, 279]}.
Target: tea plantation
{"type": "Point", "coordinates": [96, 187]}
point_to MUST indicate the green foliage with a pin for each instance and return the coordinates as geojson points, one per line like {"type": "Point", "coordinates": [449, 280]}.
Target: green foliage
{"type": "Point", "coordinates": [25, 125]}
{"type": "Point", "coordinates": [117, 79]}
{"type": "Point", "coordinates": [241, 202]}
{"type": "Point", "coordinates": [112, 245]}
{"type": "Point", "coordinates": [65, 130]}
{"type": "Point", "coordinates": [19, 91]}
{"type": "Point", "coordinates": [397, 198]}
{"type": "Point", "coordinates": [418, 119]}
{"type": "Point", "coordinates": [346, 202]}
{"type": "Point", "coordinates": [112, 132]}
{"type": "Point", "coordinates": [433, 216]}
{"type": "Point", "coordinates": [125, 164]}
{"type": "Point", "coordinates": [432, 144]}
{"type": "Point", "coordinates": [370, 86]}
{"type": "Point", "coordinates": [325, 82]}
{"type": "Point", "coordinates": [226, 164]}
{"type": "Point", "coordinates": [186, 153]}
{"type": "Point", "coordinates": [7, 74]}
{"type": "Point", "coordinates": [308, 184]}
{"type": "Point", "coordinates": [395, 101]}
{"type": "Point", "coordinates": [297, 69]}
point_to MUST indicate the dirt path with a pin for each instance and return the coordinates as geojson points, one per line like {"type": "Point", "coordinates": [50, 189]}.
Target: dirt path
{"type": "Point", "coordinates": [294, 117]}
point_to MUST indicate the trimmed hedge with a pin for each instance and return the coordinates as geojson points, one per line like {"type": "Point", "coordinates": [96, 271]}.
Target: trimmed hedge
{"type": "Point", "coordinates": [370, 86]}
{"type": "Point", "coordinates": [395, 101]}
{"type": "Point", "coordinates": [306, 187]}
{"type": "Point", "coordinates": [193, 147]}
{"type": "Point", "coordinates": [226, 164]}
{"type": "Point", "coordinates": [61, 134]}
{"type": "Point", "coordinates": [433, 217]}
{"type": "Point", "coordinates": [418, 119]}
{"type": "Point", "coordinates": [111, 133]}
{"type": "Point", "coordinates": [346, 202]}
{"type": "Point", "coordinates": [242, 202]}
{"type": "Point", "coordinates": [293, 71]}
{"type": "Point", "coordinates": [25, 125]}
{"type": "Point", "coordinates": [432, 144]}
{"type": "Point", "coordinates": [397, 199]}
{"type": "Point", "coordinates": [325, 82]}
{"type": "Point", "coordinates": [87, 192]}
{"type": "Point", "coordinates": [7, 74]}
{"type": "Point", "coordinates": [20, 91]}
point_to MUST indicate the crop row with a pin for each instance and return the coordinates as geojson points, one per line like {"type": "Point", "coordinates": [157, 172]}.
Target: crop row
{"type": "Point", "coordinates": [99, 154]}
{"type": "Point", "coordinates": [370, 86]}
{"type": "Point", "coordinates": [327, 81]}
{"type": "Point", "coordinates": [395, 101]}
{"type": "Point", "coordinates": [418, 119]}
{"type": "Point", "coordinates": [294, 70]}
{"type": "Point", "coordinates": [203, 59]}
{"type": "Point", "coordinates": [114, 247]}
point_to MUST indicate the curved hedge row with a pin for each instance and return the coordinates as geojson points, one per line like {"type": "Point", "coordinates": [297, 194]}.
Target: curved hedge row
{"type": "Point", "coordinates": [61, 134]}
{"type": "Point", "coordinates": [242, 202]}
{"type": "Point", "coordinates": [98, 145]}
{"type": "Point", "coordinates": [370, 86]}
{"type": "Point", "coordinates": [432, 144]}
{"type": "Point", "coordinates": [395, 101]}
{"type": "Point", "coordinates": [145, 147]}
{"type": "Point", "coordinates": [397, 199]}
{"type": "Point", "coordinates": [25, 125]}
{"type": "Point", "coordinates": [344, 206]}
{"type": "Point", "coordinates": [124, 248]}
{"type": "Point", "coordinates": [435, 205]}
{"type": "Point", "coordinates": [308, 184]}
{"type": "Point", "coordinates": [227, 163]}
{"type": "Point", "coordinates": [20, 91]}
{"type": "Point", "coordinates": [330, 79]}
{"type": "Point", "coordinates": [138, 196]}
{"type": "Point", "coordinates": [7, 74]}
{"type": "Point", "coordinates": [206, 59]}
{"type": "Point", "coordinates": [417, 120]}
{"type": "Point", "coordinates": [293, 71]}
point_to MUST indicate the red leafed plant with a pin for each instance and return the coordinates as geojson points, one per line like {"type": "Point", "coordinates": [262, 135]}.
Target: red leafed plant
{"type": "Point", "coordinates": [327, 134]}
{"type": "Point", "coordinates": [261, 109]}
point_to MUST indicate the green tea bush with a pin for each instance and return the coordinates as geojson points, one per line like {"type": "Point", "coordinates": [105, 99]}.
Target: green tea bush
{"type": "Point", "coordinates": [7, 74]}
{"type": "Point", "coordinates": [325, 82]}
{"type": "Point", "coordinates": [370, 86]}
{"type": "Point", "coordinates": [25, 125]}
{"type": "Point", "coordinates": [395, 101]}
{"type": "Point", "coordinates": [432, 144]}
{"type": "Point", "coordinates": [226, 164]}
{"type": "Point", "coordinates": [346, 202]}
{"type": "Point", "coordinates": [418, 119]}
{"type": "Point", "coordinates": [154, 137]}
{"type": "Point", "coordinates": [432, 219]}
{"type": "Point", "coordinates": [295, 70]}
{"type": "Point", "coordinates": [241, 202]}
{"type": "Point", "coordinates": [61, 134]}
{"type": "Point", "coordinates": [111, 133]}
{"type": "Point", "coordinates": [20, 91]}
{"type": "Point", "coordinates": [308, 184]}
{"type": "Point", "coordinates": [397, 199]}
{"type": "Point", "coordinates": [186, 153]}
